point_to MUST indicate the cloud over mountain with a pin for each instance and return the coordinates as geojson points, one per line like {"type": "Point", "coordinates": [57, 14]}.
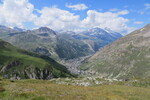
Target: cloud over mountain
{"type": "Point", "coordinates": [17, 12]}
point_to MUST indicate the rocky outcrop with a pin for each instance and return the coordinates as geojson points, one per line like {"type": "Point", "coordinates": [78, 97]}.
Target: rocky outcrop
{"type": "Point", "coordinates": [27, 73]}
{"type": "Point", "coordinates": [9, 66]}
{"type": "Point", "coordinates": [38, 73]}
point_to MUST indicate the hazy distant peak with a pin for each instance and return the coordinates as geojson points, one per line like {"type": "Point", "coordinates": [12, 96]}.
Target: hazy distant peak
{"type": "Point", "coordinates": [45, 30]}
{"type": "Point", "coordinates": [96, 29]}
{"type": "Point", "coordinates": [18, 29]}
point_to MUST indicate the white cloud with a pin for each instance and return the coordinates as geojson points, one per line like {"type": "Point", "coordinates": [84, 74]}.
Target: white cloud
{"type": "Point", "coordinates": [138, 22]}
{"type": "Point", "coordinates": [77, 6]}
{"type": "Point", "coordinates": [147, 5]}
{"type": "Point", "coordinates": [18, 12]}
{"type": "Point", "coordinates": [123, 12]}
{"type": "Point", "coordinates": [15, 12]}
{"type": "Point", "coordinates": [57, 19]}
{"type": "Point", "coordinates": [107, 19]}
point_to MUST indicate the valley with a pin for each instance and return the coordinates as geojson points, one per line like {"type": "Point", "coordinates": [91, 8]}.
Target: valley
{"type": "Point", "coordinates": [82, 70]}
{"type": "Point", "coordinates": [74, 50]}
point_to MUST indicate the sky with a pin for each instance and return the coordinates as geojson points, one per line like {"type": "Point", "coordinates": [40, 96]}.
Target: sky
{"type": "Point", "coordinates": [122, 16]}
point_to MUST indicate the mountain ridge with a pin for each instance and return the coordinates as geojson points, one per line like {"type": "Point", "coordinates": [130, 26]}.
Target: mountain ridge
{"type": "Point", "coordinates": [128, 57]}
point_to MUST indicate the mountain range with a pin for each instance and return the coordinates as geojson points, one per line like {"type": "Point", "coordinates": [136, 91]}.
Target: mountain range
{"type": "Point", "coordinates": [95, 38]}
{"type": "Point", "coordinates": [64, 47]}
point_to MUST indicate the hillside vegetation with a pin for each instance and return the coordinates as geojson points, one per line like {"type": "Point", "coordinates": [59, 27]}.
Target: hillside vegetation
{"type": "Point", "coordinates": [19, 64]}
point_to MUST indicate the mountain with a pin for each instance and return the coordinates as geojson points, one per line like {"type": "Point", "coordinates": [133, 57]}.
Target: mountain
{"type": "Point", "coordinates": [46, 41]}
{"type": "Point", "coordinates": [128, 57]}
{"type": "Point", "coordinates": [95, 38]}
{"type": "Point", "coordinates": [4, 31]}
{"type": "Point", "coordinates": [18, 29]}
{"type": "Point", "coordinates": [20, 64]}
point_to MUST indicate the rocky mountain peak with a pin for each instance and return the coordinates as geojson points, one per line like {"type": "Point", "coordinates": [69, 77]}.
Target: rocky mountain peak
{"type": "Point", "coordinates": [18, 29]}
{"type": "Point", "coordinates": [96, 29]}
{"type": "Point", "coordinates": [1, 26]}
{"type": "Point", "coordinates": [4, 29]}
{"type": "Point", "coordinates": [46, 30]}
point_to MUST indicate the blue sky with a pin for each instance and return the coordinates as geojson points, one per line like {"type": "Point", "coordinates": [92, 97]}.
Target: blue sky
{"type": "Point", "coordinates": [132, 5]}
{"type": "Point", "coordinates": [122, 16]}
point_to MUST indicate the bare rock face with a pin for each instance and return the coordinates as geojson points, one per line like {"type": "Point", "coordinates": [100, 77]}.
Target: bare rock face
{"type": "Point", "coordinates": [27, 73]}
{"type": "Point", "coordinates": [128, 57]}
{"type": "Point", "coordinates": [38, 74]}
{"type": "Point", "coordinates": [9, 66]}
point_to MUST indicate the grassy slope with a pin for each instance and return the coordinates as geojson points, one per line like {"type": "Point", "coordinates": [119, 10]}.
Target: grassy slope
{"type": "Point", "coordinates": [9, 53]}
{"type": "Point", "coordinates": [45, 90]}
